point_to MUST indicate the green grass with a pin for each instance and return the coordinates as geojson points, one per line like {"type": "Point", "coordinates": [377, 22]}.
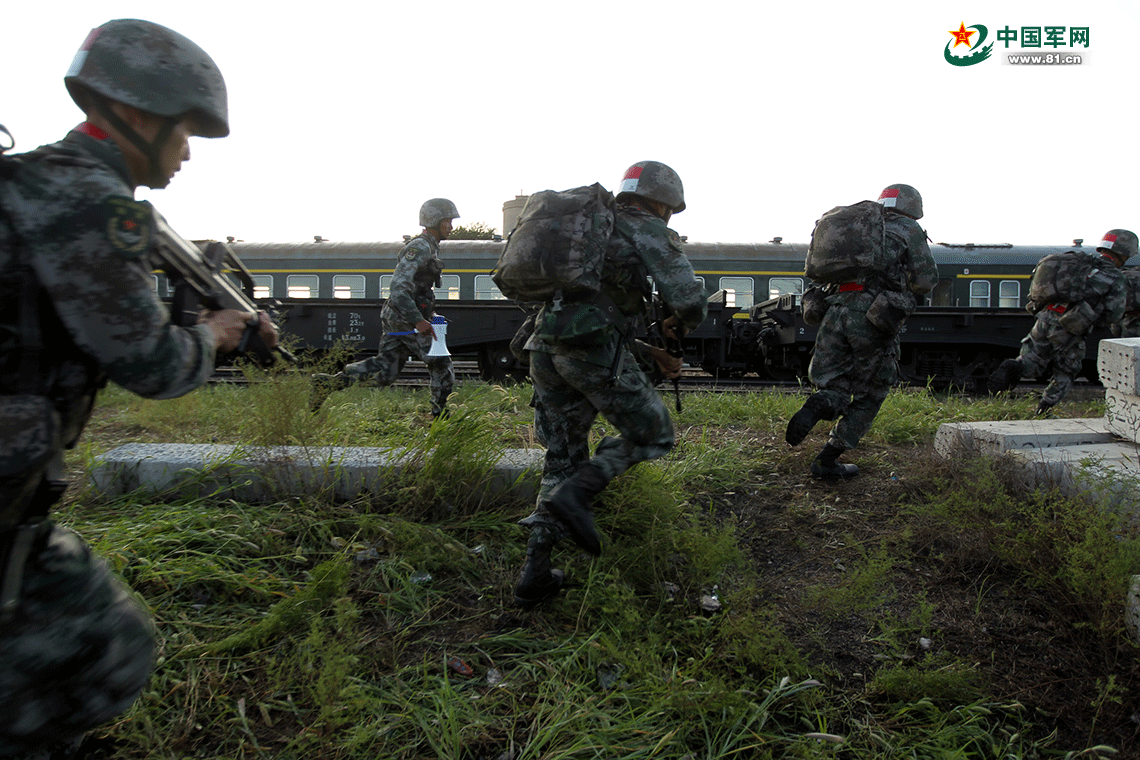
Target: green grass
{"type": "Point", "coordinates": [308, 628]}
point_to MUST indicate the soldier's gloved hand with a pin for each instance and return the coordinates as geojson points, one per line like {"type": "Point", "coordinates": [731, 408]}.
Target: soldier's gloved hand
{"type": "Point", "coordinates": [423, 326]}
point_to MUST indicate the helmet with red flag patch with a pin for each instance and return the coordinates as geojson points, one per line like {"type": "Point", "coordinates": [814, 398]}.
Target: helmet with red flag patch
{"type": "Point", "coordinates": [903, 199]}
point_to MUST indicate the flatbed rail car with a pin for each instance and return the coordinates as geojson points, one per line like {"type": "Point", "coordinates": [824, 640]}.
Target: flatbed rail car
{"type": "Point", "coordinates": [974, 317]}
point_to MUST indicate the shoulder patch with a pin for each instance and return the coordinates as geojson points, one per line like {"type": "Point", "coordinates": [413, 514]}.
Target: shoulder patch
{"type": "Point", "coordinates": [674, 238]}
{"type": "Point", "coordinates": [130, 225]}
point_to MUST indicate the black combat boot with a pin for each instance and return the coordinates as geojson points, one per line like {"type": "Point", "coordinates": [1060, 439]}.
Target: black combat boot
{"type": "Point", "coordinates": [1005, 377]}
{"type": "Point", "coordinates": [323, 387]}
{"type": "Point", "coordinates": [538, 581]}
{"type": "Point", "coordinates": [570, 504]}
{"type": "Point", "coordinates": [1045, 408]}
{"type": "Point", "coordinates": [827, 467]}
{"type": "Point", "coordinates": [816, 408]}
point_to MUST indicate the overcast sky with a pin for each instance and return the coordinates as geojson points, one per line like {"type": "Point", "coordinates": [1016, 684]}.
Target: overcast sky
{"type": "Point", "coordinates": [346, 116]}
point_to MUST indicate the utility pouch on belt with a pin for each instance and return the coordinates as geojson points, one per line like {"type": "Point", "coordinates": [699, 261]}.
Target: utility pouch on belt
{"type": "Point", "coordinates": [574, 324]}
{"type": "Point", "coordinates": [889, 309]}
{"type": "Point", "coordinates": [1078, 318]}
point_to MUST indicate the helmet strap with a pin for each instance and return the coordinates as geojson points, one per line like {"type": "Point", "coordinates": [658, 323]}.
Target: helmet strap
{"type": "Point", "coordinates": [152, 150]}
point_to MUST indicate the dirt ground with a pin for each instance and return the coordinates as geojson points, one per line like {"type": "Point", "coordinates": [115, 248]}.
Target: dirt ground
{"type": "Point", "coordinates": [1027, 647]}
{"type": "Point", "coordinates": [804, 534]}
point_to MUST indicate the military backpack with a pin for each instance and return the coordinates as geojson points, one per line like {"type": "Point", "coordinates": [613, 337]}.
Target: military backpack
{"type": "Point", "coordinates": [847, 242]}
{"type": "Point", "coordinates": [557, 249]}
{"type": "Point", "coordinates": [1069, 277]}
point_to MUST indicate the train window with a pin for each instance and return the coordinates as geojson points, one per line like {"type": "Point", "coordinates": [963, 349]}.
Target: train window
{"type": "Point", "coordinates": [780, 286]}
{"type": "Point", "coordinates": [385, 285]}
{"type": "Point", "coordinates": [942, 294]}
{"type": "Point", "coordinates": [156, 286]}
{"type": "Point", "coordinates": [302, 286]}
{"type": "Point", "coordinates": [263, 286]}
{"type": "Point", "coordinates": [979, 293]}
{"type": "Point", "coordinates": [740, 290]}
{"type": "Point", "coordinates": [1009, 294]}
{"type": "Point", "coordinates": [448, 289]}
{"type": "Point", "coordinates": [486, 289]}
{"type": "Point", "coordinates": [348, 286]}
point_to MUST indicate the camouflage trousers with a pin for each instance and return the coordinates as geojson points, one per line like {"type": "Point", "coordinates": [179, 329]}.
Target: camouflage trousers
{"type": "Point", "coordinates": [395, 350]}
{"type": "Point", "coordinates": [1049, 342]}
{"type": "Point", "coordinates": [854, 365]}
{"type": "Point", "coordinates": [77, 653]}
{"type": "Point", "coordinates": [570, 394]}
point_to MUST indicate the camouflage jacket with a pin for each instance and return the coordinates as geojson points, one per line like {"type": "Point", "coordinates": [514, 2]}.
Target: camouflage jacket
{"type": "Point", "coordinates": [642, 245]}
{"type": "Point", "coordinates": [412, 293]}
{"type": "Point", "coordinates": [74, 234]}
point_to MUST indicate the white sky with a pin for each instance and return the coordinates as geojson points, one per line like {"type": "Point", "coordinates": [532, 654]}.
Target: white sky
{"type": "Point", "coordinates": [346, 116]}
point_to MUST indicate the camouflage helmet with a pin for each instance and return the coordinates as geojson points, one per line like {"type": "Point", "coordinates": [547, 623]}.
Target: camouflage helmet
{"type": "Point", "coordinates": [435, 211]}
{"type": "Point", "coordinates": [903, 199]}
{"type": "Point", "coordinates": [154, 69]}
{"type": "Point", "coordinates": [655, 181]}
{"type": "Point", "coordinates": [1120, 243]}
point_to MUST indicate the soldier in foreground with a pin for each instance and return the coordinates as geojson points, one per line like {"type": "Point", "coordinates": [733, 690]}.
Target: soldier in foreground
{"type": "Point", "coordinates": [574, 382]}
{"type": "Point", "coordinates": [77, 309]}
{"type": "Point", "coordinates": [856, 355]}
{"type": "Point", "coordinates": [407, 316]}
{"type": "Point", "coordinates": [1070, 294]}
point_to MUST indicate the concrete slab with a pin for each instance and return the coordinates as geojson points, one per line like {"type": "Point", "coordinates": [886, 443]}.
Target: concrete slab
{"type": "Point", "coordinates": [254, 473]}
{"type": "Point", "coordinates": [1108, 471]}
{"type": "Point", "coordinates": [995, 438]}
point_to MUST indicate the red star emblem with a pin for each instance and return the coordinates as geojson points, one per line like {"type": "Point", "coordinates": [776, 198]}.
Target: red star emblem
{"type": "Point", "coordinates": [962, 37]}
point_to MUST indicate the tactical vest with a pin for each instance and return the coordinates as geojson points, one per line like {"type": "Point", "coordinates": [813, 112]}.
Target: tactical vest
{"type": "Point", "coordinates": [40, 414]}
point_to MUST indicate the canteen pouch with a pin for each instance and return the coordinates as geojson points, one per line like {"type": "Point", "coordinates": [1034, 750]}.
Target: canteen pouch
{"type": "Point", "coordinates": [889, 309]}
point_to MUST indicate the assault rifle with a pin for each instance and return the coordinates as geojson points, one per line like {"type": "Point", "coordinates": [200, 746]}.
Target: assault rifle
{"type": "Point", "coordinates": [198, 281]}
{"type": "Point", "coordinates": [657, 338]}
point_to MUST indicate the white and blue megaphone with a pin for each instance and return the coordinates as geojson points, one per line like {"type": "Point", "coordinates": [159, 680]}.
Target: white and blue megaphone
{"type": "Point", "coordinates": [439, 342]}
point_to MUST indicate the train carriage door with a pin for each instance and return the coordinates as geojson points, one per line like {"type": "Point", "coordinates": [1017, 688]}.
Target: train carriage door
{"type": "Point", "coordinates": [943, 293]}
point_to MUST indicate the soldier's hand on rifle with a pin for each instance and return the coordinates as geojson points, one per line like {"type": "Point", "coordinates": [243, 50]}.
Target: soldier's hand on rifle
{"type": "Point", "coordinates": [670, 365]}
{"type": "Point", "coordinates": [424, 326]}
{"type": "Point", "coordinates": [229, 326]}
{"type": "Point", "coordinates": [670, 328]}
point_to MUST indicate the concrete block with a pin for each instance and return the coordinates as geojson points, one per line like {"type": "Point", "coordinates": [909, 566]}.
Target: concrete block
{"type": "Point", "coordinates": [1118, 364]}
{"type": "Point", "coordinates": [1107, 472]}
{"type": "Point", "coordinates": [1122, 414]}
{"type": "Point", "coordinates": [995, 438]}
{"type": "Point", "coordinates": [254, 473]}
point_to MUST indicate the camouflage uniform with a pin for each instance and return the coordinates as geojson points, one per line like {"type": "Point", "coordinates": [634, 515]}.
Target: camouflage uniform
{"type": "Point", "coordinates": [77, 308]}
{"type": "Point", "coordinates": [1061, 341]}
{"type": "Point", "coordinates": [573, 383]}
{"type": "Point", "coordinates": [411, 300]}
{"type": "Point", "coordinates": [855, 363]}
{"type": "Point", "coordinates": [1130, 322]}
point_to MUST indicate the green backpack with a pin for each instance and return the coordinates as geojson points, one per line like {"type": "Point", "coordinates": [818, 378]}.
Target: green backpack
{"type": "Point", "coordinates": [557, 249]}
